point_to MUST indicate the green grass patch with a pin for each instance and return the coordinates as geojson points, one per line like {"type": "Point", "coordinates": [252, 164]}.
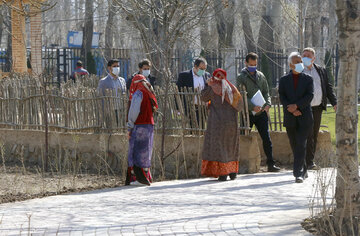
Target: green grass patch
{"type": "Point", "coordinates": [328, 119]}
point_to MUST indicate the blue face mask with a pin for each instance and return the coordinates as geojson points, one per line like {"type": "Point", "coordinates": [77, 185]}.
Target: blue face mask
{"type": "Point", "coordinates": [200, 72]}
{"type": "Point", "coordinates": [307, 61]}
{"type": "Point", "coordinates": [251, 68]}
{"type": "Point", "coordinates": [299, 67]}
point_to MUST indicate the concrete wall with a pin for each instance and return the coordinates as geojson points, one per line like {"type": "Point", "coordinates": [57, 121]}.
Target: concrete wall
{"type": "Point", "coordinates": [324, 156]}
{"type": "Point", "coordinates": [108, 153]}
{"type": "Point", "coordinates": [104, 152]}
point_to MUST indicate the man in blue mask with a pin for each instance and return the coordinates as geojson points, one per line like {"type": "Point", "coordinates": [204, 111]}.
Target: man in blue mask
{"type": "Point", "coordinates": [113, 85]}
{"type": "Point", "coordinates": [296, 91]}
{"type": "Point", "coordinates": [252, 80]}
{"type": "Point", "coordinates": [323, 90]}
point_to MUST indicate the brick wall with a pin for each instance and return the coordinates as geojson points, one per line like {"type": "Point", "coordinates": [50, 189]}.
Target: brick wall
{"type": "Point", "coordinates": [18, 39]}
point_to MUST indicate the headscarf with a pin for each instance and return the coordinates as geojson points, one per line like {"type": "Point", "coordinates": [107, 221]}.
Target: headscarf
{"type": "Point", "coordinates": [139, 82]}
{"type": "Point", "coordinates": [225, 89]}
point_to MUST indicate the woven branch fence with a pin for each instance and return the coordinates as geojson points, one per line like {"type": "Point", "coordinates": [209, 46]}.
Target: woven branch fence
{"type": "Point", "coordinates": [77, 107]}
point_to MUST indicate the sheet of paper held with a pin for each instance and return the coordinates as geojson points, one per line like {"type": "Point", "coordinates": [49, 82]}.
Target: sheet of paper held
{"type": "Point", "coordinates": [258, 100]}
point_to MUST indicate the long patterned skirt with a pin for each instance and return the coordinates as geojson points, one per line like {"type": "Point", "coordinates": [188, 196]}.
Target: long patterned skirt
{"type": "Point", "coordinates": [139, 155]}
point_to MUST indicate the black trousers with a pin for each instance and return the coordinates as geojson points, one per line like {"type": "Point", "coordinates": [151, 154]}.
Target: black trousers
{"type": "Point", "coordinates": [298, 137]}
{"type": "Point", "coordinates": [313, 135]}
{"type": "Point", "coordinates": [261, 123]}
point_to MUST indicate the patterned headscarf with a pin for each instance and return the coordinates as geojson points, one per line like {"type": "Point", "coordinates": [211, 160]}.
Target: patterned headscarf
{"type": "Point", "coordinates": [139, 82]}
{"type": "Point", "coordinates": [226, 90]}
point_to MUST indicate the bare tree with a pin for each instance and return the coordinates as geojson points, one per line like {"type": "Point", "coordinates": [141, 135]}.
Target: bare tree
{"type": "Point", "coordinates": [225, 21]}
{"type": "Point", "coordinates": [109, 35]}
{"type": "Point", "coordinates": [247, 29]}
{"type": "Point", "coordinates": [2, 20]}
{"type": "Point", "coordinates": [266, 32]}
{"type": "Point", "coordinates": [347, 181]}
{"type": "Point", "coordinates": [88, 31]}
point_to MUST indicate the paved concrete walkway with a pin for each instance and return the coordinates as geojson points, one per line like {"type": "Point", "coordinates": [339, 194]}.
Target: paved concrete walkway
{"type": "Point", "coordinates": [258, 204]}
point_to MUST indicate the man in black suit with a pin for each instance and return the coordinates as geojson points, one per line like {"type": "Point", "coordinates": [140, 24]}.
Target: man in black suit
{"type": "Point", "coordinates": [196, 79]}
{"type": "Point", "coordinates": [296, 91]}
{"type": "Point", "coordinates": [323, 90]}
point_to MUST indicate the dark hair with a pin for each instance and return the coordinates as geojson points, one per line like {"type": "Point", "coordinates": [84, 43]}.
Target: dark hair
{"type": "Point", "coordinates": [79, 63]}
{"type": "Point", "coordinates": [144, 62]}
{"type": "Point", "coordinates": [199, 60]}
{"type": "Point", "coordinates": [252, 56]}
{"type": "Point", "coordinates": [112, 61]}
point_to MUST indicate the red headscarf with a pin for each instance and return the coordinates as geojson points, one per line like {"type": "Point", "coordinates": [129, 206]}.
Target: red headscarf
{"type": "Point", "coordinates": [139, 82]}
{"type": "Point", "coordinates": [222, 87]}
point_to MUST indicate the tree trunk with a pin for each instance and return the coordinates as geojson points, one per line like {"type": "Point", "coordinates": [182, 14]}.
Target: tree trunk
{"type": "Point", "coordinates": [88, 31]}
{"type": "Point", "coordinates": [316, 23]}
{"type": "Point", "coordinates": [332, 26]}
{"type": "Point", "coordinates": [266, 32]}
{"type": "Point", "coordinates": [109, 36]}
{"type": "Point", "coordinates": [225, 21]}
{"type": "Point", "coordinates": [205, 31]}
{"type": "Point", "coordinates": [301, 24]}
{"type": "Point", "coordinates": [68, 15]}
{"type": "Point", "coordinates": [2, 22]}
{"type": "Point", "coordinates": [347, 181]}
{"type": "Point", "coordinates": [275, 15]}
{"type": "Point", "coordinates": [247, 29]}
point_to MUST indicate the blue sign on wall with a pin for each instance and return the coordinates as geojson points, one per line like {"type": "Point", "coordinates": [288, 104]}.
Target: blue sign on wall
{"type": "Point", "coordinates": [74, 39]}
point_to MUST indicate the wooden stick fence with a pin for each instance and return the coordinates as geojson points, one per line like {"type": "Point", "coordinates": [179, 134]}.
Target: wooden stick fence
{"type": "Point", "coordinates": [79, 108]}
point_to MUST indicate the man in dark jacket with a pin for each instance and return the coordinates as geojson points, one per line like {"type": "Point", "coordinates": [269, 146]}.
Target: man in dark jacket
{"type": "Point", "coordinates": [253, 80]}
{"type": "Point", "coordinates": [296, 91]}
{"type": "Point", "coordinates": [323, 90]}
{"type": "Point", "coordinates": [144, 69]}
{"type": "Point", "coordinates": [79, 71]}
{"type": "Point", "coordinates": [195, 79]}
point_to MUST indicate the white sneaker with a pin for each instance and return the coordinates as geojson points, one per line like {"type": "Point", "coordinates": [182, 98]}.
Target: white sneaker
{"type": "Point", "coordinates": [137, 183]}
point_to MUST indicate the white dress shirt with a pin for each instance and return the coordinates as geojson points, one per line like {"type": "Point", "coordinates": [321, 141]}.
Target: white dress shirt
{"type": "Point", "coordinates": [317, 86]}
{"type": "Point", "coordinates": [199, 85]}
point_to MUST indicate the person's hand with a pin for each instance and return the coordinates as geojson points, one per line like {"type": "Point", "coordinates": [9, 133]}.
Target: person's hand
{"type": "Point", "coordinates": [297, 113]}
{"type": "Point", "coordinates": [257, 109]}
{"type": "Point", "coordinates": [292, 108]}
{"type": "Point", "coordinates": [267, 108]}
{"type": "Point", "coordinates": [335, 108]}
{"type": "Point", "coordinates": [129, 134]}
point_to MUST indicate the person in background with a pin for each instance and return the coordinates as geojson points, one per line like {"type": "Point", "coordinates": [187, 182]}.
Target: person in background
{"type": "Point", "coordinates": [79, 71]}
{"type": "Point", "coordinates": [323, 90]}
{"type": "Point", "coordinates": [220, 154]}
{"type": "Point", "coordinates": [145, 70]}
{"type": "Point", "coordinates": [112, 84]}
{"type": "Point", "coordinates": [254, 80]}
{"type": "Point", "coordinates": [140, 124]}
{"type": "Point", "coordinates": [296, 91]}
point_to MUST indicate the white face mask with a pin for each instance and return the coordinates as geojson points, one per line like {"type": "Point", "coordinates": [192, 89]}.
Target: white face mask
{"type": "Point", "coordinates": [116, 70]}
{"type": "Point", "coordinates": [146, 73]}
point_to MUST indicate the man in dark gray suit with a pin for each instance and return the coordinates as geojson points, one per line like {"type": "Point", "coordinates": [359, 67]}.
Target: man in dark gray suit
{"type": "Point", "coordinates": [296, 91]}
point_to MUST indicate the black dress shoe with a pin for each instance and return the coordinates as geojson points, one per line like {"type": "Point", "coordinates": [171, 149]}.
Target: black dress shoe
{"type": "Point", "coordinates": [299, 180]}
{"type": "Point", "coordinates": [222, 178]}
{"type": "Point", "coordinates": [273, 168]}
{"type": "Point", "coordinates": [232, 176]}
